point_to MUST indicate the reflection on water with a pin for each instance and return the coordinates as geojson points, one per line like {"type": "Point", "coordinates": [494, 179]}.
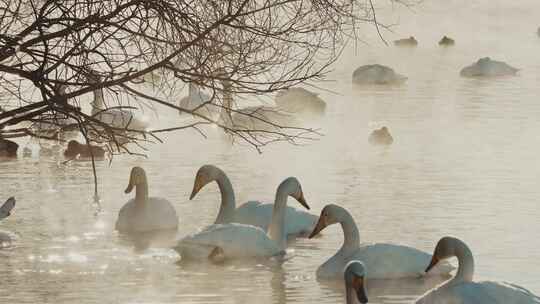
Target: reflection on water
{"type": "Point", "coordinates": [464, 162]}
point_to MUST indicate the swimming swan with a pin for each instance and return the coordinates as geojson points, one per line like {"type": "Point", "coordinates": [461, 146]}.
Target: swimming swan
{"type": "Point", "coordinates": [355, 291]}
{"type": "Point", "coordinates": [383, 261]}
{"type": "Point", "coordinates": [376, 74]}
{"type": "Point", "coordinates": [117, 118]}
{"type": "Point", "coordinates": [144, 213]}
{"type": "Point", "coordinates": [486, 67]}
{"type": "Point", "coordinates": [300, 101]}
{"type": "Point", "coordinates": [411, 41]}
{"type": "Point", "coordinates": [297, 222]}
{"type": "Point", "coordinates": [381, 137]}
{"type": "Point", "coordinates": [5, 211]}
{"type": "Point", "coordinates": [76, 149]}
{"type": "Point", "coordinates": [462, 289]}
{"type": "Point", "coordinates": [239, 240]}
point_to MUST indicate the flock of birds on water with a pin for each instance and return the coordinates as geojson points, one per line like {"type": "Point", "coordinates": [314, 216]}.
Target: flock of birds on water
{"type": "Point", "coordinates": [261, 230]}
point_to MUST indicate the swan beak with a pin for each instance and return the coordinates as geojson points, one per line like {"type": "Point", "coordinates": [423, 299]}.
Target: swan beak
{"type": "Point", "coordinates": [321, 224]}
{"type": "Point", "coordinates": [358, 285]}
{"type": "Point", "coordinates": [434, 261]}
{"type": "Point", "coordinates": [129, 188]}
{"type": "Point", "coordinates": [196, 188]}
{"type": "Point", "coordinates": [302, 201]}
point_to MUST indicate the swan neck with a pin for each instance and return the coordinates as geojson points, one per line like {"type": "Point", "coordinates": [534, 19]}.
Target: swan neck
{"type": "Point", "coordinates": [276, 230]}
{"type": "Point", "coordinates": [98, 99]}
{"type": "Point", "coordinates": [466, 263]}
{"type": "Point", "coordinates": [225, 115]}
{"type": "Point", "coordinates": [228, 201]}
{"type": "Point", "coordinates": [141, 192]}
{"type": "Point", "coordinates": [350, 295]}
{"type": "Point", "coordinates": [351, 235]}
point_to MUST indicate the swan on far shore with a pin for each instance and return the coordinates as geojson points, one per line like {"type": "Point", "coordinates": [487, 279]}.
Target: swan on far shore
{"type": "Point", "coordinates": [144, 213]}
{"type": "Point", "coordinates": [382, 260]}
{"type": "Point", "coordinates": [230, 241]}
{"type": "Point", "coordinates": [462, 289]}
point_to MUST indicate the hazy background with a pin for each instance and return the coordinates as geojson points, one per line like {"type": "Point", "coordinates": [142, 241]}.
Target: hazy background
{"type": "Point", "coordinates": [464, 162]}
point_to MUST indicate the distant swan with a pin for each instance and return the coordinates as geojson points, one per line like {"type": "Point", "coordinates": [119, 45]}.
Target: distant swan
{"type": "Point", "coordinates": [485, 67]}
{"type": "Point", "coordinates": [144, 213]}
{"type": "Point", "coordinates": [300, 101]}
{"type": "Point", "coordinates": [117, 118]}
{"type": "Point", "coordinates": [462, 288]}
{"type": "Point", "coordinates": [195, 99]}
{"type": "Point", "coordinates": [297, 222]}
{"type": "Point", "coordinates": [5, 211]}
{"type": "Point", "coordinates": [229, 241]}
{"type": "Point", "coordinates": [446, 41]}
{"type": "Point", "coordinates": [355, 277]}
{"type": "Point", "coordinates": [411, 41]}
{"type": "Point", "coordinates": [76, 149]}
{"type": "Point", "coordinates": [381, 137]}
{"type": "Point", "coordinates": [377, 74]}
{"type": "Point", "coordinates": [383, 261]}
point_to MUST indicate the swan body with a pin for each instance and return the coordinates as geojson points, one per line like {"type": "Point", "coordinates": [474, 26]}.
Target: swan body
{"type": "Point", "coordinates": [117, 118]}
{"type": "Point", "coordinates": [382, 260]}
{"type": "Point", "coordinates": [297, 222]}
{"type": "Point", "coordinates": [485, 67]}
{"type": "Point", "coordinates": [144, 213]}
{"type": "Point", "coordinates": [381, 137]}
{"type": "Point", "coordinates": [239, 240]}
{"type": "Point", "coordinates": [446, 41]}
{"type": "Point", "coordinates": [461, 289]}
{"type": "Point", "coordinates": [411, 41]}
{"type": "Point", "coordinates": [300, 101]}
{"type": "Point", "coordinates": [5, 211]}
{"type": "Point", "coordinates": [377, 74]}
{"type": "Point", "coordinates": [195, 99]}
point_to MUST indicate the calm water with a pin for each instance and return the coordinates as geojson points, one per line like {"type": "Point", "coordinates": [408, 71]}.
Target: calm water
{"type": "Point", "coordinates": [464, 162]}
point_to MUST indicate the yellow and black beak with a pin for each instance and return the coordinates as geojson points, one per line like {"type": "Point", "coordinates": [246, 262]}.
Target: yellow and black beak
{"type": "Point", "coordinates": [434, 261]}
{"type": "Point", "coordinates": [359, 288]}
{"type": "Point", "coordinates": [321, 224]}
{"type": "Point", "coordinates": [197, 186]}
{"type": "Point", "coordinates": [302, 201]}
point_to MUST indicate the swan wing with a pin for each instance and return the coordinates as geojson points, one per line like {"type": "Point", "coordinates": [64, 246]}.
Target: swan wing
{"type": "Point", "coordinates": [235, 240]}
{"type": "Point", "coordinates": [6, 208]}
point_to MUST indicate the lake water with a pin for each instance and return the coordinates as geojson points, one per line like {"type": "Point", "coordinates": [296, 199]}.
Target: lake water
{"type": "Point", "coordinates": [464, 162]}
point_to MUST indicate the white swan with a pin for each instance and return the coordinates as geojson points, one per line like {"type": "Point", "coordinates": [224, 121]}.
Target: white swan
{"type": "Point", "coordinates": [117, 118]}
{"type": "Point", "coordinates": [5, 211]}
{"type": "Point", "coordinates": [144, 213]}
{"type": "Point", "coordinates": [383, 261]}
{"type": "Point", "coordinates": [486, 67]}
{"type": "Point", "coordinates": [195, 99]}
{"type": "Point", "coordinates": [355, 291]}
{"type": "Point", "coordinates": [461, 288]}
{"type": "Point", "coordinates": [300, 101]}
{"type": "Point", "coordinates": [239, 240]}
{"type": "Point", "coordinates": [297, 222]}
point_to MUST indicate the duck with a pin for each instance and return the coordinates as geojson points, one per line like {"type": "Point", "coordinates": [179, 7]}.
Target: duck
{"type": "Point", "coordinates": [298, 223]}
{"type": "Point", "coordinates": [144, 213]}
{"type": "Point", "coordinates": [219, 242]}
{"type": "Point", "coordinates": [377, 74]}
{"type": "Point", "coordinates": [382, 260]}
{"type": "Point", "coordinates": [381, 137]}
{"type": "Point", "coordinates": [462, 288]}
{"type": "Point", "coordinates": [76, 149]}
{"type": "Point", "coordinates": [8, 148]}
{"type": "Point", "coordinates": [116, 118]}
{"type": "Point", "coordinates": [5, 211]}
{"type": "Point", "coordinates": [486, 67]}
{"type": "Point", "coordinates": [446, 41]}
{"type": "Point", "coordinates": [411, 41]}
{"type": "Point", "coordinates": [300, 101]}
{"type": "Point", "coordinates": [195, 99]}
{"type": "Point", "coordinates": [355, 282]}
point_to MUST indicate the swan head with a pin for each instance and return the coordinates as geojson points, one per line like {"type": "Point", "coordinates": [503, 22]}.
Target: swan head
{"type": "Point", "coordinates": [355, 273]}
{"type": "Point", "coordinates": [6, 208]}
{"type": "Point", "coordinates": [446, 248]}
{"type": "Point", "coordinates": [291, 186]}
{"type": "Point", "coordinates": [329, 215]}
{"type": "Point", "coordinates": [205, 175]}
{"type": "Point", "coordinates": [137, 176]}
